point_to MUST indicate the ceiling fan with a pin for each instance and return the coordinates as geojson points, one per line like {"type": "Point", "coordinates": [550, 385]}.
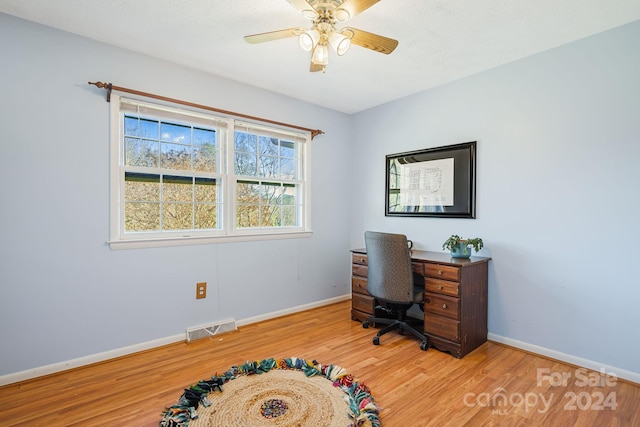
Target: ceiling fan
{"type": "Point", "coordinates": [323, 33]}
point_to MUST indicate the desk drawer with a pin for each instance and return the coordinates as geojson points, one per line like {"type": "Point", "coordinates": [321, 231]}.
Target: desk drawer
{"type": "Point", "coordinates": [442, 327]}
{"type": "Point", "coordinates": [440, 271]}
{"type": "Point", "coordinates": [363, 303]}
{"type": "Point", "coordinates": [441, 286]}
{"type": "Point", "coordinates": [359, 285]}
{"type": "Point", "coordinates": [359, 259]}
{"type": "Point", "coordinates": [442, 305]}
{"type": "Point", "coordinates": [359, 270]}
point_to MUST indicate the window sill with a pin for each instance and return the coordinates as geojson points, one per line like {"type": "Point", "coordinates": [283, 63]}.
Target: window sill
{"type": "Point", "coordinates": [117, 245]}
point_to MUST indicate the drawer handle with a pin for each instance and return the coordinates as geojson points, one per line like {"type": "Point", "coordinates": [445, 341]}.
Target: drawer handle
{"type": "Point", "coordinates": [439, 272]}
{"type": "Point", "coordinates": [440, 287]}
{"type": "Point", "coordinates": [444, 306]}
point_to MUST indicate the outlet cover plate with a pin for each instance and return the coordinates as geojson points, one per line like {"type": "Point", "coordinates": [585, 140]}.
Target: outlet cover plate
{"type": "Point", "coordinates": [201, 290]}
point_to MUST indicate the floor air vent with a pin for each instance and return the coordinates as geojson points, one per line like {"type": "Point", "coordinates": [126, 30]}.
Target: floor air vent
{"type": "Point", "coordinates": [211, 329]}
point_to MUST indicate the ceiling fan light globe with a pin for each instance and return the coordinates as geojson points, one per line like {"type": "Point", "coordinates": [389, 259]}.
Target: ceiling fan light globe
{"type": "Point", "coordinates": [308, 40]}
{"type": "Point", "coordinates": [340, 43]}
{"type": "Point", "coordinates": [320, 55]}
{"type": "Point", "coordinates": [310, 14]}
{"type": "Point", "coordinates": [342, 15]}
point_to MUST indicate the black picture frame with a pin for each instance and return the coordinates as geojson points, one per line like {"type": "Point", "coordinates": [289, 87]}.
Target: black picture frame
{"type": "Point", "coordinates": [434, 182]}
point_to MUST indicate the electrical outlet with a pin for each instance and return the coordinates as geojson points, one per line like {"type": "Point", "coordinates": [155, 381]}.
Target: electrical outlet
{"type": "Point", "coordinates": [201, 290]}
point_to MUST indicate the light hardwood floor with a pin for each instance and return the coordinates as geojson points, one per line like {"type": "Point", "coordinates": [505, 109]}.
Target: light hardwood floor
{"type": "Point", "coordinates": [494, 385]}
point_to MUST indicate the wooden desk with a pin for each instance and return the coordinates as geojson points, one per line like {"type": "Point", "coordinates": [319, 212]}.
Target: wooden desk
{"type": "Point", "coordinates": [455, 298]}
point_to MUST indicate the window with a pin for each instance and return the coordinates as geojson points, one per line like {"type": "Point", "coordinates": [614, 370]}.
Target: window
{"type": "Point", "coordinates": [172, 183]}
{"type": "Point", "coordinates": [268, 188]}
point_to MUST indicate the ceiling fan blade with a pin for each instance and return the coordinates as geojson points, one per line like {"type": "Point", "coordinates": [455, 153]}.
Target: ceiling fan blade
{"type": "Point", "coordinates": [273, 35]}
{"type": "Point", "coordinates": [354, 7]}
{"type": "Point", "coordinates": [372, 41]}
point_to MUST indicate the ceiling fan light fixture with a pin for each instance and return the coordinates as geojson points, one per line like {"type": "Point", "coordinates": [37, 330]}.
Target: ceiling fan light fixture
{"type": "Point", "coordinates": [342, 15]}
{"type": "Point", "coordinates": [323, 31]}
{"type": "Point", "coordinates": [310, 14]}
{"type": "Point", "coordinates": [308, 39]}
{"type": "Point", "coordinates": [320, 55]}
{"type": "Point", "coordinates": [340, 43]}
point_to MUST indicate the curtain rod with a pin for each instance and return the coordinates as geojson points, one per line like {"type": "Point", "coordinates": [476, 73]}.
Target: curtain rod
{"type": "Point", "coordinates": [109, 87]}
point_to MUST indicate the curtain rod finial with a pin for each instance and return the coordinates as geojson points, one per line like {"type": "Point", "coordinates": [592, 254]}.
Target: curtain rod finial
{"type": "Point", "coordinates": [316, 132]}
{"type": "Point", "coordinates": [107, 86]}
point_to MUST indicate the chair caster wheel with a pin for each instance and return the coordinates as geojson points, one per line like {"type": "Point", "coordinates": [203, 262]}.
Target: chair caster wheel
{"type": "Point", "coordinates": [376, 340]}
{"type": "Point", "coordinates": [424, 346]}
{"type": "Point", "coordinates": [365, 324]}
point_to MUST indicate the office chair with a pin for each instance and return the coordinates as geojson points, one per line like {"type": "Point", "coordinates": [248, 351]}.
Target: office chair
{"type": "Point", "coordinates": [390, 282]}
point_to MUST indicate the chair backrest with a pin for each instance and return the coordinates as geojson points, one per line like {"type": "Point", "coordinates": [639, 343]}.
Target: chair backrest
{"type": "Point", "coordinates": [389, 273]}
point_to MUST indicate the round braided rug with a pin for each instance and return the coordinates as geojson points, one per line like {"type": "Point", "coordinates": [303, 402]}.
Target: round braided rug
{"type": "Point", "coordinates": [276, 398]}
{"type": "Point", "coordinates": [285, 392]}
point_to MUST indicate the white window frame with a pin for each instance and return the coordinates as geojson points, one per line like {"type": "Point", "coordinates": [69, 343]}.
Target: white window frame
{"type": "Point", "coordinates": [228, 232]}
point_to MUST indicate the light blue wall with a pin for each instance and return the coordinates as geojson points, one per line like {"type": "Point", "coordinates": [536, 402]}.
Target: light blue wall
{"type": "Point", "coordinates": [557, 190]}
{"type": "Point", "coordinates": [557, 145]}
{"type": "Point", "coordinates": [64, 293]}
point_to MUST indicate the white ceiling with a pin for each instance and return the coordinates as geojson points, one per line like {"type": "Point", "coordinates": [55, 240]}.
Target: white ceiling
{"type": "Point", "coordinates": [440, 40]}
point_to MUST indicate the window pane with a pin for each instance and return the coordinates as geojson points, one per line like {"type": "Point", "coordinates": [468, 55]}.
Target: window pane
{"type": "Point", "coordinates": [175, 133]}
{"type": "Point", "coordinates": [149, 129]}
{"type": "Point", "coordinates": [289, 196]}
{"type": "Point", "coordinates": [204, 150]}
{"type": "Point", "coordinates": [288, 169]}
{"type": "Point", "coordinates": [289, 216]}
{"type": "Point", "coordinates": [206, 190]}
{"type": "Point", "coordinates": [268, 146]}
{"type": "Point", "coordinates": [274, 194]}
{"type": "Point", "coordinates": [141, 187]}
{"type": "Point", "coordinates": [245, 164]}
{"type": "Point", "coordinates": [269, 166]}
{"type": "Point", "coordinates": [131, 126]}
{"type": "Point", "coordinates": [247, 216]}
{"type": "Point", "coordinates": [176, 156]}
{"type": "Point", "coordinates": [287, 149]}
{"type": "Point", "coordinates": [247, 192]}
{"type": "Point", "coordinates": [139, 152]}
{"type": "Point", "coordinates": [245, 142]}
{"type": "Point", "coordinates": [204, 158]}
{"type": "Point", "coordinates": [270, 193]}
{"type": "Point", "coordinates": [141, 216]}
{"type": "Point", "coordinates": [177, 189]}
{"type": "Point", "coordinates": [270, 216]}
{"type": "Point", "coordinates": [206, 216]}
{"type": "Point", "coordinates": [177, 216]}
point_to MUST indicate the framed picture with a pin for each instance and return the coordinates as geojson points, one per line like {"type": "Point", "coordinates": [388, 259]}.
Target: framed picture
{"type": "Point", "coordinates": [435, 182]}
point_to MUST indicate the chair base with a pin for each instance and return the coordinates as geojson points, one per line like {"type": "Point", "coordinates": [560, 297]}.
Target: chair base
{"type": "Point", "coordinates": [393, 324]}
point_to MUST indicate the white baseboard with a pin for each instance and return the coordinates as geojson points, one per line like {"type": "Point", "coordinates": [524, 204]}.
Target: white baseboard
{"type": "Point", "coordinates": [119, 352]}
{"type": "Point", "coordinates": [280, 313]}
{"type": "Point", "coordinates": [87, 360]}
{"type": "Point", "coordinates": [567, 358]}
